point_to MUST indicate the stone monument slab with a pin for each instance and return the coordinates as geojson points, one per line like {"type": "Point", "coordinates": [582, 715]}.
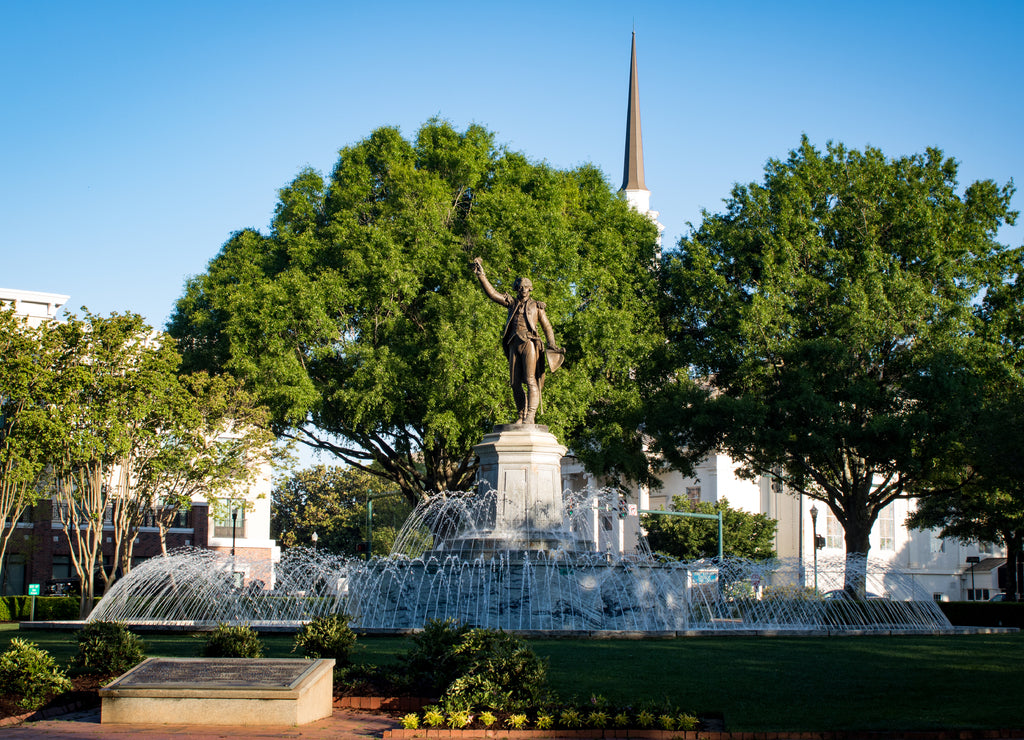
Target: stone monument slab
{"type": "Point", "coordinates": [221, 691]}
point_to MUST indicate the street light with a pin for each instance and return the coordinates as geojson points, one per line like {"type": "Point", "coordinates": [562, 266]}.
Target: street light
{"type": "Point", "coordinates": [314, 538]}
{"type": "Point", "coordinates": [973, 560]}
{"type": "Point", "coordinates": [814, 536]}
{"type": "Point", "coordinates": [234, 525]}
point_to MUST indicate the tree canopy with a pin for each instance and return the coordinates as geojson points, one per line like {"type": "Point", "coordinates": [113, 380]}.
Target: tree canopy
{"type": "Point", "coordinates": [23, 376]}
{"type": "Point", "coordinates": [332, 502]}
{"type": "Point", "coordinates": [825, 326]}
{"type": "Point", "coordinates": [358, 322]}
{"type": "Point", "coordinates": [744, 535]}
{"type": "Point", "coordinates": [982, 497]}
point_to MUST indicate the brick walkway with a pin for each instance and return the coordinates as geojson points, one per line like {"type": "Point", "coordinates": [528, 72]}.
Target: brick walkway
{"type": "Point", "coordinates": [343, 725]}
{"type": "Point", "coordinates": [347, 724]}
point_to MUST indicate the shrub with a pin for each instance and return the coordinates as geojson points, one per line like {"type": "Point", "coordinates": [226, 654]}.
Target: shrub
{"type": "Point", "coordinates": [229, 641]}
{"type": "Point", "coordinates": [570, 719]}
{"type": "Point", "coordinates": [487, 719]}
{"type": "Point", "coordinates": [497, 671]}
{"type": "Point", "coordinates": [545, 722]}
{"type": "Point", "coordinates": [327, 637]}
{"type": "Point", "coordinates": [57, 608]}
{"type": "Point", "coordinates": [31, 673]}
{"type": "Point", "coordinates": [432, 717]}
{"type": "Point", "coordinates": [431, 663]}
{"type": "Point", "coordinates": [108, 648]}
{"type": "Point", "coordinates": [516, 721]}
{"type": "Point", "coordinates": [411, 721]}
{"type": "Point", "coordinates": [5, 611]}
{"type": "Point", "coordinates": [459, 719]}
{"type": "Point", "coordinates": [686, 722]}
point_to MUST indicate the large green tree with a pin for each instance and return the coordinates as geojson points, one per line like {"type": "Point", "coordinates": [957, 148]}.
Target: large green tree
{"type": "Point", "coordinates": [982, 498]}
{"type": "Point", "coordinates": [823, 325]}
{"type": "Point", "coordinates": [358, 322]}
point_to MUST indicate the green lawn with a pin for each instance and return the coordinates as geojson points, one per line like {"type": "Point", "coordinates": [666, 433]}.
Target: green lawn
{"type": "Point", "coordinates": [776, 683]}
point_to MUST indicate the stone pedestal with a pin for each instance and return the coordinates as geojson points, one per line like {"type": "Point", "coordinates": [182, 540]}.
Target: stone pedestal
{"type": "Point", "coordinates": [523, 463]}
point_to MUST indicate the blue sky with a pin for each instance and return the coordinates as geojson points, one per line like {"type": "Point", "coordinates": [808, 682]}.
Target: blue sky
{"type": "Point", "coordinates": [139, 135]}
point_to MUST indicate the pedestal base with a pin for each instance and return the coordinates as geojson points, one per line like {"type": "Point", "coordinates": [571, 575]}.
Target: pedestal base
{"type": "Point", "coordinates": [523, 463]}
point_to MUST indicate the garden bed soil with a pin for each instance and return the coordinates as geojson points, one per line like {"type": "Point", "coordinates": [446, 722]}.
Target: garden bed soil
{"type": "Point", "coordinates": [83, 695]}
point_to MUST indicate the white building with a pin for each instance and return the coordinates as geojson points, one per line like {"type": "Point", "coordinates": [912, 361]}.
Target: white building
{"type": "Point", "coordinates": [944, 568]}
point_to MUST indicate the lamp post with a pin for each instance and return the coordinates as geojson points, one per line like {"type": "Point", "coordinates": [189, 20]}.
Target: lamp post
{"type": "Point", "coordinates": [973, 560]}
{"type": "Point", "coordinates": [235, 580]}
{"type": "Point", "coordinates": [814, 536]}
{"type": "Point", "coordinates": [314, 538]}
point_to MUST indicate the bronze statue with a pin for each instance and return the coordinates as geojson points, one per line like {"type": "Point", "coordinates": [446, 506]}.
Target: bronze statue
{"type": "Point", "coordinates": [523, 346]}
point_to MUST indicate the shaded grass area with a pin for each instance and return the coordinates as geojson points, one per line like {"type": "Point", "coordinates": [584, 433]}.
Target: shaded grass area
{"type": "Point", "coordinates": [808, 683]}
{"type": "Point", "coordinates": [755, 683]}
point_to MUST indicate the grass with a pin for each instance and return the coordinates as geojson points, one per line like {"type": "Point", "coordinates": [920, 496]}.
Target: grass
{"type": "Point", "coordinates": [756, 684]}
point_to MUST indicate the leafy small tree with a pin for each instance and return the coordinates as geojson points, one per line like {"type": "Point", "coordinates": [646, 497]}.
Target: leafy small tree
{"type": "Point", "coordinates": [110, 385]}
{"type": "Point", "coordinates": [213, 440]}
{"type": "Point", "coordinates": [825, 325]}
{"type": "Point", "coordinates": [23, 377]}
{"type": "Point", "coordinates": [332, 501]}
{"type": "Point", "coordinates": [745, 535]}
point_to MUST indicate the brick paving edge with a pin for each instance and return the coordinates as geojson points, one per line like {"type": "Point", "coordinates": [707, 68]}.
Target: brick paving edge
{"type": "Point", "coordinates": [485, 734]}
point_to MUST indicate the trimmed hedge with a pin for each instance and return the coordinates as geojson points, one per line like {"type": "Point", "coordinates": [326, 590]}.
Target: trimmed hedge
{"type": "Point", "coordinates": [48, 608]}
{"type": "Point", "coordinates": [984, 613]}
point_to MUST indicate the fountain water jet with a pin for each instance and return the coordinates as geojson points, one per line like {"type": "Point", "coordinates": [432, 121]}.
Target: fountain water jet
{"type": "Point", "coordinates": [440, 569]}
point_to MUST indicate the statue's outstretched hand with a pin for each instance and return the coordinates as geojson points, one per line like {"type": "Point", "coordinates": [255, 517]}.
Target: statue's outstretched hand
{"type": "Point", "coordinates": [477, 266]}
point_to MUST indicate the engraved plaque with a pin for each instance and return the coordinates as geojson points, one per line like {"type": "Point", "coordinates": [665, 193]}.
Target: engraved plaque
{"type": "Point", "coordinates": [211, 673]}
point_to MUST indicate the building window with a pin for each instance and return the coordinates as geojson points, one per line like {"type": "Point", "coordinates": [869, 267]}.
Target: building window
{"type": "Point", "coordinates": [693, 496]}
{"type": "Point", "coordinates": [223, 526]}
{"type": "Point", "coordinates": [182, 519]}
{"type": "Point", "coordinates": [26, 515]}
{"type": "Point", "coordinates": [986, 548]}
{"type": "Point", "coordinates": [61, 567]}
{"type": "Point", "coordinates": [833, 531]}
{"type": "Point", "coordinates": [886, 529]}
{"type": "Point", "coordinates": [12, 575]}
{"type": "Point", "coordinates": [978, 594]}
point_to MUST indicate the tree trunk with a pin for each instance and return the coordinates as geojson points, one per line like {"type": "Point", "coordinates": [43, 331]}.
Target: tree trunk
{"type": "Point", "coordinates": [857, 535]}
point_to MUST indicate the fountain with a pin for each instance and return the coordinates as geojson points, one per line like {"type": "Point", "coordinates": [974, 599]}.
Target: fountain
{"type": "Point", "coordinates": [520, 554]}
{"type": "Point", "coordinates": [450, 561]}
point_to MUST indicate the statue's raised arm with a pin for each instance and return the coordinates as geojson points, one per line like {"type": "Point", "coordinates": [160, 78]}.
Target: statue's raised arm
{"type": "Point", "coordinates": [524, 348]}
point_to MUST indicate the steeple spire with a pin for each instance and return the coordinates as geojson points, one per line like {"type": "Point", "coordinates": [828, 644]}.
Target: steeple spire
{"type": "Point", "coordinates": [633, 164]}
{"type": "Point", "coordinates": [633, 186]}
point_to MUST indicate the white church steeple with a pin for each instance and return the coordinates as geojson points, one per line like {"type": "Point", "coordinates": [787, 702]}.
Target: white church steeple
{"type": "Point", "coordinates": [633, 163]}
